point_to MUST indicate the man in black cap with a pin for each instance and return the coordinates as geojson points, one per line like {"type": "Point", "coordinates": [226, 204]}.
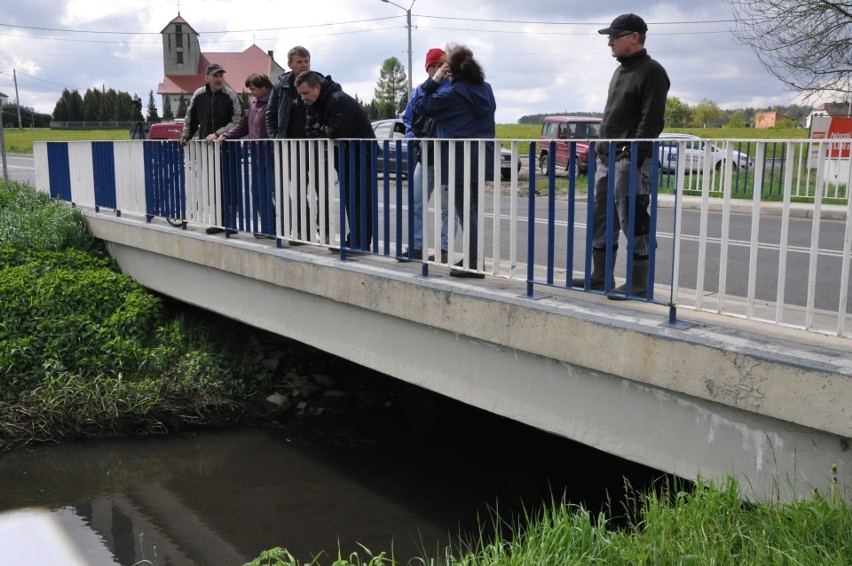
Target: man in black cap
{"type": "Point", "coordinates": [213, 109]}
{"type": "Point", "coordinates": [635, 109]}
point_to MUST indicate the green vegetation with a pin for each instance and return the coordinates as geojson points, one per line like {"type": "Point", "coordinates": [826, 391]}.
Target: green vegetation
{"type": "Point", "coordinates": [21, 141]}
{"type": "Point", "coordinates": [86, 351]}
{"type": "Point", "coordinates": [705, 524]}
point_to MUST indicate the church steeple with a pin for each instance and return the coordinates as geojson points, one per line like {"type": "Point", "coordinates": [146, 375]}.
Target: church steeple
{"type": "Point", "coordinates": [181, 49]}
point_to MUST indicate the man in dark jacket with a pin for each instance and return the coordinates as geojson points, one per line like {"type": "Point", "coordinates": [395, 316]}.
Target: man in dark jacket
{"type": "Point", "coordinates": [213, 109]}
{"type": "Point", "coordinates": [635, 109]}
{"type": "Point", "coordinates": [334, 114]}
{"type": "Point", "coordinates": [285, 119]}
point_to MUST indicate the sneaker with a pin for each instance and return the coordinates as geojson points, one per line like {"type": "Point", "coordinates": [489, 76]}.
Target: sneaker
{"type": "Point", "coordinates": [214, 230]}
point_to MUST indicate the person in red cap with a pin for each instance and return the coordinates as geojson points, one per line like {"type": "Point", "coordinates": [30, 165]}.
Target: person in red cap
{"type": "Point", "coordinates": [419, 126]}
{"type": "Point", "coordinates": [635, 109]}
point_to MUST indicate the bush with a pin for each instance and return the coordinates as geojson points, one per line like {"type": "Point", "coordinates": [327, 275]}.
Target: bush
{"type": "Point", "coordinates": [85, 350]}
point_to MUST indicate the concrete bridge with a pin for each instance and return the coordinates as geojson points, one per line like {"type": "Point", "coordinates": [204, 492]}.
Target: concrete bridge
{"type": "Point", "coordinates": [699, 394]}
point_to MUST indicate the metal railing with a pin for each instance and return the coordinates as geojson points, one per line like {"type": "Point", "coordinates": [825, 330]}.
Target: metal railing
{"type": "Point", "coordinates": [729, 239]}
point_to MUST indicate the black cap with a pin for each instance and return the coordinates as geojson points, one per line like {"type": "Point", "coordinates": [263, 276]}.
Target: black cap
{"type": "Point", "coordinates": [625, 22]}
{"type": "Point", "coordinates": [213, 69]}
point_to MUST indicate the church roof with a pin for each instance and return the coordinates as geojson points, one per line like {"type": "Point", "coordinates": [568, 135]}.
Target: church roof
{"type": "Point", "coordinates": [237, 67]}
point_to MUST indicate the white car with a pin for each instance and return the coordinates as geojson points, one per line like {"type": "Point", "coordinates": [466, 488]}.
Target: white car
{"type": "Point", "coordinates": [694, 152]}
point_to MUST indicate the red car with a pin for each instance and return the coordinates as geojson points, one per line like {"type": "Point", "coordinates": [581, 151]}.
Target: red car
{"type": "Point", "coordinates": [565, 129]}
{"type": "Point", "coordinates": [166, 131]}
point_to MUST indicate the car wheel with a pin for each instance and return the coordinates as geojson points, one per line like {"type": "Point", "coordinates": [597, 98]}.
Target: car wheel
{"type": "Point", "coordinates": [543, 164]}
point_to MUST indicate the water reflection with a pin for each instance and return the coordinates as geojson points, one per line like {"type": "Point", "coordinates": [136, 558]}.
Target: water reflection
{"type": "Point", "coordinates": [222, 497]}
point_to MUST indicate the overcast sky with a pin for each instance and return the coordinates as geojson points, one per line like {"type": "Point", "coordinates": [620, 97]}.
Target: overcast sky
{"type": "Point", "coordinates": [540, 56]}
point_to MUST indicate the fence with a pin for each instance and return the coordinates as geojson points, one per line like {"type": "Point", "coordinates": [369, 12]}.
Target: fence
{"type": "Point", "coordinates": [765, 258]}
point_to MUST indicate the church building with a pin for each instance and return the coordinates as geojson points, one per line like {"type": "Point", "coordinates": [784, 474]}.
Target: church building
{"type": "Point", "coordinates": [184, 64]}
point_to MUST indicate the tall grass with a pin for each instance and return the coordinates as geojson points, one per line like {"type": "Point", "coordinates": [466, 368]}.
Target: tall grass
{"type": "Point", "coordinates": [705, 523]}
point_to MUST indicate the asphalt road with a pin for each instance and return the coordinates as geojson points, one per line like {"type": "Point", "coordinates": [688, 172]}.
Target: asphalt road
{"type": "Point", "coordinates": [19, 168]}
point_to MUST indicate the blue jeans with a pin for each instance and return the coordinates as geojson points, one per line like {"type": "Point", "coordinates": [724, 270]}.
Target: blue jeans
{"type": "Point", "coordinates": [417, 206]}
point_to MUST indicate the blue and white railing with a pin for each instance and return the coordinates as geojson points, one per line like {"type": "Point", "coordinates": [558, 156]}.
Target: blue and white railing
{"type": "Point", "coordinates": [530, 227]}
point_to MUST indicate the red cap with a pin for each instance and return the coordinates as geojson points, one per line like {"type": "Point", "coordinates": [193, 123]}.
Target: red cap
{"type": "Point", "coordinates": [434, 56]}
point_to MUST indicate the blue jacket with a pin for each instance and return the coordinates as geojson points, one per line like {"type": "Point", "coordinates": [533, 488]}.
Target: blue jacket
{"type": "Point", "coordinates": [463, 111]}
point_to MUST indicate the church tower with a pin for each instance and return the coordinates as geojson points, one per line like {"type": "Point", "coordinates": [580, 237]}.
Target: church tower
{"type": "Point", "coordinates": [181, 50]}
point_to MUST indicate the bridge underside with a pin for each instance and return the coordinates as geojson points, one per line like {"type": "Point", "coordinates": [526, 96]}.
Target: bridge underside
{"type": "Point", "coordinates": [706, 400]}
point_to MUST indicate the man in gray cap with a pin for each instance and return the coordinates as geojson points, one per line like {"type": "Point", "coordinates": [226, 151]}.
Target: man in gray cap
{"type": "Point", "coordinates": [635, 109]}
{"type": "Point", "coordinates": [213, 109]}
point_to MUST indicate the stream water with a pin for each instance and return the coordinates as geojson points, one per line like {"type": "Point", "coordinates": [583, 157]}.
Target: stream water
{"type": "Point", "coordinates": [406, 480]}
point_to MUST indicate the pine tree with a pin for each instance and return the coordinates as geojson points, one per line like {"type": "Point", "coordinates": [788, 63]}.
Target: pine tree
{"type": "Point", "coordinates": [391, 89]}
{"type": "Point", "coordinates": [181, 111]}
{"type": "Point", "coordinates": [167, 108]}
{"type": "Point", "coordinates": [152, 108]}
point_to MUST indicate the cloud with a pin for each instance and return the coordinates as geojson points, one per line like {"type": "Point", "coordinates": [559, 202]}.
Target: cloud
{"type": "Point", "coordinates": [540, 57]}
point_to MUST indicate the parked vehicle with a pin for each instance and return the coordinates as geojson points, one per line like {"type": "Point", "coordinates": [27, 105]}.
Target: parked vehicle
{"type": "Point", "coordinates": [565, 130]}
{"type": "Point", "coordinates": [166, 130]}
{"type": "Point", "coordinates": [694, 152]}
{"type": "Point", "coordinates": [394, 129]}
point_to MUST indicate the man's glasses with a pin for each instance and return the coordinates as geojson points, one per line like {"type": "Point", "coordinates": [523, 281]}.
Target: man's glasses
{"type": "Point", "coordinates": [614, 37]}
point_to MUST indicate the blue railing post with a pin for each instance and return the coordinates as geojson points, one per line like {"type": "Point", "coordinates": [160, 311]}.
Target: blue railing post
{"type": "Point", "coordinates": [531, 222]}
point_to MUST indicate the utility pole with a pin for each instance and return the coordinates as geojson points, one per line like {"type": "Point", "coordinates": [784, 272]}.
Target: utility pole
{"type": "Point", "coordinates": [17, 100]}
{"type": "Point", "coordinates": [407, 25]}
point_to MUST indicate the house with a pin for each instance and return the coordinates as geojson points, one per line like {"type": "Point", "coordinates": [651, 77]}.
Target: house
{"type": "Point", "coordinates": [4, 99]}
{"type": "Point", "coordinates": [184, 64]}
{"type": "Point", "coordinates": [831, 109]}
{"type": "Point", "coordinates": [770, 119]}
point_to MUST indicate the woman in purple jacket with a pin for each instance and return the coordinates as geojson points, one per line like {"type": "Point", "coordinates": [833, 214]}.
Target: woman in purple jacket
{"type": "Point", "coordinates": [258, 207]}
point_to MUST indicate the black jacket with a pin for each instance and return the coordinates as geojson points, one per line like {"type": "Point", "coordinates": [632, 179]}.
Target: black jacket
{"type": "Point", "coordinates": [636, 102]}
{"type": "Point", "coordinates": [281, 103]}
{"type": "Point", "coordinates": [211, 112]}
{"type": "Point", "coordinates": [336, 115]}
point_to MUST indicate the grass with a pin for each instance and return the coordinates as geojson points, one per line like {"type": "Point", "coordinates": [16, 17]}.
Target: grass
{"type": "Point", "coordinates": [21, 141]}
{"type": "Point", "coordinates": [705, 523]}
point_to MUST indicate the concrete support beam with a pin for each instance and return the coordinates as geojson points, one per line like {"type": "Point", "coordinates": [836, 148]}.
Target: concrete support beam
{"type": "Point", "coordinates": [709, 400]}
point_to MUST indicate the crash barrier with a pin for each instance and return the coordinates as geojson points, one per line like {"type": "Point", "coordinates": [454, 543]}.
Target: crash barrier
{"type": "Point", "coordinates": [731, 256]}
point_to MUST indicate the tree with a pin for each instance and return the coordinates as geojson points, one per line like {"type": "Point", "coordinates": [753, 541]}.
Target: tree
{"type": "Point", "coordinates": [167, 108]}
{"type": "Point", "coordinates": [677, 113]}
{"type": "Point", "coordinates": [706, 114]}
{"type": "Point", "coordinates": [805, 43]}
{"type": "Point", "coordinates": [737, 119]}
{"type": "Point", "coordinates": [152, 108]}
{"type": "Point", "coordinates": [181, 111]}
{"type": "Point", "coordinates": [391, 91]}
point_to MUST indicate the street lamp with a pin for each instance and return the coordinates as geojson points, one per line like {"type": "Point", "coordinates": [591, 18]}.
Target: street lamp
{"type": "Point", "coordinates": [408, 25]}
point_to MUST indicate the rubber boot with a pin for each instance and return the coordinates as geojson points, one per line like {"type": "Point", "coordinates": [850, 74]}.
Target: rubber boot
{"type": "Point", "coordinates": [598, 278]}
{"type": "Point", "coordinates": [640, 283]}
